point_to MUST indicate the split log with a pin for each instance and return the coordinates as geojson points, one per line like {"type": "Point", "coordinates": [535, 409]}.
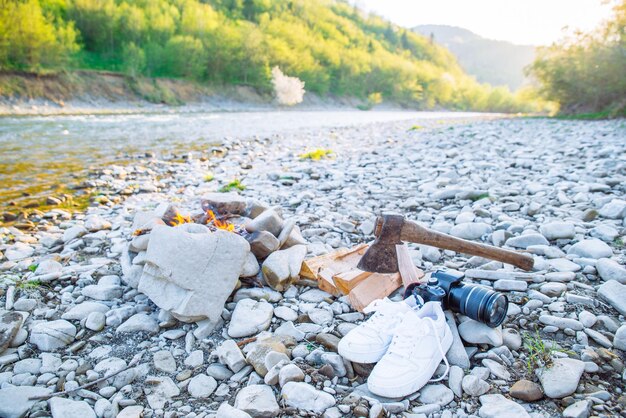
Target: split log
{"type": "Point", "coordinates": [348, 280]}
{"type": "Point", "coordinates": [376, 286]}
{"type": "Point", "coordinates": [341, 260]}
{"type": "Point", "coordinates": [324, 267]}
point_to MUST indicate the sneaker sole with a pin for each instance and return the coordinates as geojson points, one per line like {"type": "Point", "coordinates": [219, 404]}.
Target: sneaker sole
{"type": "Point", "coordinates": [365, 358]}
{"type": "Point", "coordinates": [411, 387]}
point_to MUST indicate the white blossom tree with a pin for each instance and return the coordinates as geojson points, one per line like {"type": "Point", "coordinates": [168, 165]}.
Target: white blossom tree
{"type": "Point", "coordinates": [288, 90]}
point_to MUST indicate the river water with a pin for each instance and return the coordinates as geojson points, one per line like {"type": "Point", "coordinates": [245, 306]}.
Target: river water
{"type": "Point", "coordinates": [44, 155]}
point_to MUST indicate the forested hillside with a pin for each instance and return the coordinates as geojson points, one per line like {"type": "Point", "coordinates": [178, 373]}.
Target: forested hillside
{"type": "Point", "coordinates": [330, 45]}
{"type": "Point", "coordinates": [495, 62]}
{"type": "Point", "coordinates": [586, 73]}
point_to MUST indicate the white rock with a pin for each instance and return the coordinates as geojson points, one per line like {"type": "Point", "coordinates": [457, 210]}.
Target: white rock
{"type": "Point", "coordinates": [74, 232]}
{"type": "Point", "coordinates": [526, 240]}
{"type": "Point", "coordinates": [52, 335]}
{"type": "Point", "coordinates": [587, 319]}
{"type": "Point", "coordinates": [95, 223]}
{"type": "Point", "coordinates": [558, 230]}
{"type": "Point", "coordinates": [455, 379]}
{"type": "Point", "coordinates": [497, 406]}
{"type": "Point", "coordinates": [611, 270]}
{"type": "Point", "coordinates": [290, 373]}
{"type": "Point", "coordinates": [133, 411]}
{"type": "Point", "coordinates": [285, 313]}
{"type": "Point", "coordinates": [561, 379]}
{"type": "Point", "coordinates": [67, 408]}
{"type": "Point", "coordinates": [475, 386]}
{"type": "Point", "coordinates": [591, 248]}
{"type": "Point", "coordinates": [305, 397]}
{"type": "Point", "coordinates": [160, 390]}
{"type": "Point", "coordinates": [510, 285]}
{"type": "Point", "coordinates": [578, 409]}
{"type": "Point", "coordinates": [437, 393]}
{"type": "Point", "coordinates": [191, 271]}
{"type": "Point", "coordinates": [48, 267]}
{"type": "Point", "coordinates": [230, 355]}
{"type": "Point", "coordinates": [281, 267]}
{"type": "Point", "coordinates": [470, 230]}
{"type": "Point", "coordinates": [201, 386]}
{"type": "Point", "coordinates": [164, 361]}
{"type": "Point", "coordinates": [82, 310]}
{"type": "Point", "coordinates": [258, 401]}
{"type": "Point", "coordinates": [195, 359]}
{"type": "Point", "coordinates": [227, 411]}
{"type": "Point", "coordinates": [102, 292]}
{"type": "Point", "coordinates": [139, 323]}
{"type": "Point", "coordinates": [615, 294]}
{"type": "Point", "coordinates": [497, 369]}
{"type": "Point", "coordinates": [615, 209]}
{"type": "Point", "coordinates": [249, 318]}
{"type": "Point", "coordinates": [561, 323]}
{"type": "Point", "coordinates": [251, 266]}
{"type": "Point", "coordinates": [475, 332]}
{"type": "Point", "coordinates": [14, 400]}
{"type": "Point", "coordinates": [620, 338]}
{"type": "Point", "coordinates": [18, 251]}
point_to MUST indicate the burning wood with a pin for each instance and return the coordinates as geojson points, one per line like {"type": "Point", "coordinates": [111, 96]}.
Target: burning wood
{"type": "Point", "coordinates": [213, 221]}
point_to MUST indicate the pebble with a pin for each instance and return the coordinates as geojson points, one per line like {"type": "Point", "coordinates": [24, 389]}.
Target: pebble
{"type": "Point", "coordinates": [201, 386]}
{"type": "Point", "coordinates": [526, 390]}
{"type": "Point", "coordinates": [497, 406]}
{"type": "Point", "coordinates": [305, 397]}
{"type": "Point", "coordinates": [258, 401]}
{"type": "Point", "coordinates": [475, 332]}
{"type": "Point", "coordinates": [436, 393]}
{"type": "Point", "coordinates": [610, 270]}
{"type": "Point", "coordinates": [250, 317]}
{"type": "Point", "coordinates": [561, 378]}
{"type": "Point", "coordinates": [591, 248]}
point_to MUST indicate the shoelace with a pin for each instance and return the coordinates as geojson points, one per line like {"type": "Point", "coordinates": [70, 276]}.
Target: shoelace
{"type": "Point", "coordinates": [405, 340]}
{"type": "Point", "coordinates": [373, 325]}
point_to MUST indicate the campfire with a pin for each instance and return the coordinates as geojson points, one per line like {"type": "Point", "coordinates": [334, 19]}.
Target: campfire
{"type": "Point", "coordinates": [188, 268]}
{"type": "Point", "coordinates": [208, 217]}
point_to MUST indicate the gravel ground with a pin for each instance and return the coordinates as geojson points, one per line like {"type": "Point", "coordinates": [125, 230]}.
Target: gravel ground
{"type": "Point", "coordinates": [553, 188]}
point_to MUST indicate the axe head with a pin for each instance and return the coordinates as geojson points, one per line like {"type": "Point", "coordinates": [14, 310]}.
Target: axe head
{"type": "Point", "coordinates": [381, 256]}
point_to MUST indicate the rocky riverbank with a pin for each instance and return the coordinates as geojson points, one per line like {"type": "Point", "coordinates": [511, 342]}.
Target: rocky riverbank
{"type": "Point", "coordinates": [553, 188]}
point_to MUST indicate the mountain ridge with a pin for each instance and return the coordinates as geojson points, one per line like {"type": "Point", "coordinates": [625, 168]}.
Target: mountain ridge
{"type": "Point", "coordinates": [491, 61]}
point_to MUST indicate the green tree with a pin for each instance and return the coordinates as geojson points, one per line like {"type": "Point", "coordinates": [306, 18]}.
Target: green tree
{"type": "Point", "coordinates": [134, 59]}
{"type": "Point", "coordinates": [31, 40]}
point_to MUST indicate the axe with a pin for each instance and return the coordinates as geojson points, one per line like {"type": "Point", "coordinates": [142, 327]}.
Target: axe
{"type": "Point", "coordinates": [391, 230]}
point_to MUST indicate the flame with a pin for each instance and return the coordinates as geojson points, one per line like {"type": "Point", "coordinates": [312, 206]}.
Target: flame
{"type": "Point", "coordinates": [219, 224]}
{"type": "Point", "coordinates": [179, 219]}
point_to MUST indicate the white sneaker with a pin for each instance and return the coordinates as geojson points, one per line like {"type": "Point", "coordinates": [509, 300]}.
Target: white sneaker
{"type": "Point", "coordinates": [418, 346]}
{"type": "Point", "coordinates": [368, 342]}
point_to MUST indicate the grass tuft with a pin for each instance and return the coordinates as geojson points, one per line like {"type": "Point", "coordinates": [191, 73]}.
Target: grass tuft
{"type": "Point", "coordinates": [208, 177]}
{"type": "Point", "coordinates": [316, 155]}
{"type": "Point", "coordinates": [233, 185]}
{"type": "Point", "coordinates": [480, 196]}
{"type": "Point", "coordinates": [415, 128]}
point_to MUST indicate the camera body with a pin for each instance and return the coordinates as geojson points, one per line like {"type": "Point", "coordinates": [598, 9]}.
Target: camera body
{"type": "Point", "coordinates": [474, 301]}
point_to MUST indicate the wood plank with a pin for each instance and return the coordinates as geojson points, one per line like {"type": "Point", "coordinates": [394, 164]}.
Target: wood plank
{"type": "Point", "coordinates": [348, 280]}
{"type": "Point", "coordinates": [408, 271]}
{"type": "Point", "coordinates": [325, 282]}
{"type": "Point", "coordinates": [376, 286]}
{"type": "Point", "coordinates": [341, 260]}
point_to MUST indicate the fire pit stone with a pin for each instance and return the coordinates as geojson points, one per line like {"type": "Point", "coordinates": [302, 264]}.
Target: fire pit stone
{"type": "Point", "coordinates": [191, 271]}
{"type": "Point", "coordinates": [282, 267]}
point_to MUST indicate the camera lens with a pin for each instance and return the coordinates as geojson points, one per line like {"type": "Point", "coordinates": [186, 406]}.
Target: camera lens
{"type": "Point", "coordinates": [479, 303]}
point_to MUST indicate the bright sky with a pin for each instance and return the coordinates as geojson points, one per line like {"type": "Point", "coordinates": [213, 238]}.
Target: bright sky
{"type": "Point", "coordinates": [535, 22]}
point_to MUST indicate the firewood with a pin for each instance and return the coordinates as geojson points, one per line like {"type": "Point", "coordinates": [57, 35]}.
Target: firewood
{"type": "Point", "coordinates": [408, 271]}
{"type": "Point", "coordinates": [325, 282]}
{"type": "Point", "coordinates": [341, 260]}
{"type": "Point", "coordinates": [376, 286]}
{"type": "Point", "coordinates": [348, 280]}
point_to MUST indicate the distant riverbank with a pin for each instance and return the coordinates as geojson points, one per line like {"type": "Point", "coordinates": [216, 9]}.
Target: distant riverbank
{"type": "Point", "coordinates": [94, 92]}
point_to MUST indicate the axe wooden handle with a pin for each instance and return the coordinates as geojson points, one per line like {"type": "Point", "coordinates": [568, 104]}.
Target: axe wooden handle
{"type": "Point", "coordinates": [413, 232]}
